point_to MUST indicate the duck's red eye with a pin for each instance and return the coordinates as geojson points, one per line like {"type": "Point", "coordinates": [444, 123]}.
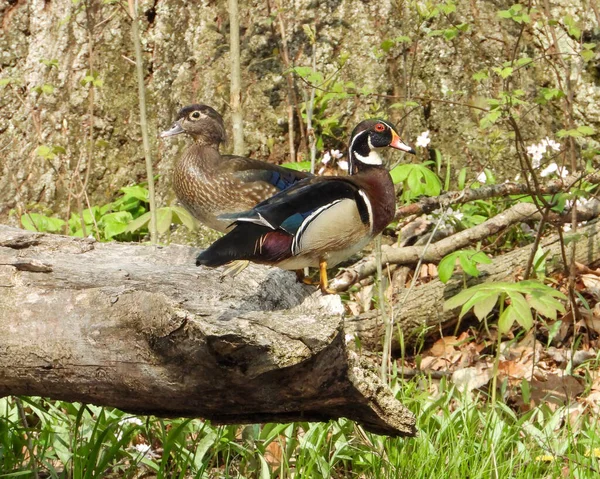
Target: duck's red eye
{"type": "Point", "coordinates": [379, 127]}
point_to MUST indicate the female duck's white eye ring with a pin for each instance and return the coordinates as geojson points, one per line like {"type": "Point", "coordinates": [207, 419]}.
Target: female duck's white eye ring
{"type": "Point", "coordinates": [195, 115]}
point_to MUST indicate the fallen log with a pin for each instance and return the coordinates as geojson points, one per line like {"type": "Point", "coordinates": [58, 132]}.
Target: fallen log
{"type": "Point", "coordinates": [143, 329]}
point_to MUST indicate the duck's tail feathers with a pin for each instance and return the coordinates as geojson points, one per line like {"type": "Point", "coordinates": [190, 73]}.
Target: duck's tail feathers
{"type": "Point", "coordinates": [247, 241]}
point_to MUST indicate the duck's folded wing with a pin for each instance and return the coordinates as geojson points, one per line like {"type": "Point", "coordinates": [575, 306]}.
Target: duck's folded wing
{"type": "Point", "coordinates": [269, 232]}
{"type": "Point", "coordinates": [288, 209]}
{"type": "Point", "coordinates": [249, 170]}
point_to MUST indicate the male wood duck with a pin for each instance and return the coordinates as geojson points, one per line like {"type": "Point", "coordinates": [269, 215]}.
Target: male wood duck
{"type": "Point", "coordinates": [319, 221]}
{"type": "Point", "coordinates": [208, 184]}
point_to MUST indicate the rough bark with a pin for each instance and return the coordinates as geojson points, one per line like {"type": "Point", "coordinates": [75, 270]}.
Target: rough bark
{"type": "Point", "coordinates": [141, 328]}
{"type": "Point", "coordinates": [424, 305]}
{"type": "Point", "coordinates": [187, 59]}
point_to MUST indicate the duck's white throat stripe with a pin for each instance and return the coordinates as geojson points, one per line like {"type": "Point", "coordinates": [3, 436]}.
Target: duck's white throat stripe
{"type": "Point", "coordinates": [373, 158]}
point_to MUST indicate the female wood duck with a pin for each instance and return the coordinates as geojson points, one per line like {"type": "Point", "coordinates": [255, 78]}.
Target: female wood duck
{"type": "Point", "coordinates": [208, 184]}
{"type": "Point", "coordinates": [319, 221]}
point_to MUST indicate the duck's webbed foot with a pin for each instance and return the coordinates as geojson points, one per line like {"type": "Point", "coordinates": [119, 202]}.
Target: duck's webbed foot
{"type": "Point", "coordinates": [234, 268]}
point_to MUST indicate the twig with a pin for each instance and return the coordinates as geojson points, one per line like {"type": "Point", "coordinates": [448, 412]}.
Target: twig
{"type": "Point", "coordinates": [236, 78]}
{"type": "Point", "coordinates": [290, 82]}
{"type": "Point", "coordinates": [143, 122]}
{"type": "Point", "coordinates": [427, 205]}
{"type": "Point", "coordinates": [387, 339]}
{"type": "Point", "coordinates": [411, 255]}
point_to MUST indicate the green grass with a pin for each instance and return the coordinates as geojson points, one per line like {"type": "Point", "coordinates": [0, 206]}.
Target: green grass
{"type": "Point", "coordinates": [460, 436]}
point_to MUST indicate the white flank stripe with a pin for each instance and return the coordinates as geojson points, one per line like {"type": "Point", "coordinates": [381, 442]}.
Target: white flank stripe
{"type": "Point", "coordinates": [304, 225]}
{"type": "Point", "coordinates": [369, 209]}
{"type": "Point", "coordinates": [259, 221]}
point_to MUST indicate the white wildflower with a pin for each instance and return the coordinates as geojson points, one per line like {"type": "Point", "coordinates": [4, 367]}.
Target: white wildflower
{"type": "Point", "coordinates": [143, 448]}
{"type": "Point", "coordinates": [423, 139]}
{"type": "Point", "coordinates": [481, 177]}
{"type": "Point", "coordinates": [326, 158]}
{"type": "Point", "coordinates": [551, 143]}
{"type": "Point", "coordinates": [337, 154]}
{"type": "Point", "coordinates": [554, 168]}
{"type": "Point", "coordinates": [551, 168]}
{"type": "Point", "coordinates": [146, 451]}
{"type": "Point", "coordinates": [321, 170]}
{"type": "Point", "coordinates": [581, 201]}
{"type": "Point", "coordinates": [131, 420]}
{"type": "Point", "coordinates": [536, 152]}
{"type": "Point", "coordinates": [566, 228]}
{"type": "Point", "coordinates": [455, 214]}
{"type": "Point", "coordinates": [349, 338]}
{"type": "Point", "coordinates": [343, 164]}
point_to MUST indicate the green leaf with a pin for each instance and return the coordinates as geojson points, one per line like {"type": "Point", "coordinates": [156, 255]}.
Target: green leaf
{"type": "Point", "coordinates": [115, 223]}
{"type": "Point", "coordinates": [545, 304]}
{"type": "Point", "coordinates": [43, 223]}
{"type": "Point", "coordinates": [484, 306]}
{"type": "Point", "coordinates": [136, 191]}
{"type": "Point", "coordinates": [524, 61]}
{"type": "Point", "coordinates": [298, 166]}
{"type": "Point", "coordinates": [506, 320]}
{"type": "Point", "coordinates": [586, 130]}
{"type": "Point", "coordinates": [45, 152]}
{"type": "Point", "coordinates": [163, 219]}
{"type": "Point", "coordinates": [521, 310]}
{"type": "Point", "coordinates": [387, 45]}
{"type": "Point", "coordinates": [480, 296]}
{"type": "Point", "coordinates": [418, 180]}
{"type": "Point", "coordinates": [184, 217]}
{"type": "Point", "coordinates": [587, 55]}
{"type": "Point", "coordinates": [489, 119]}
{"type": "Point", "coordinates": [504, 14]}
{"type": "Point", "coordinates": [464, 296]}
{"type": "Point", "coordinates": [446, 267]}
{"type": "Point", "coordinates": [138, 223]}
{"type": "Point", "coordinates": [462, 177]}
{"type": "Point", "coordinates": [89, 215]}
{"type": "Point", "coordinates": [481, 257]}
{"type": "Point", "coordinates": [467, 265]}
{"type": "Point", "coordinates": [480, 75]}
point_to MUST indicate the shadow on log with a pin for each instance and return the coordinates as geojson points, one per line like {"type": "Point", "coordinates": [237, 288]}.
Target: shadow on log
{"type": "Point", "coordinates": [142, 329]}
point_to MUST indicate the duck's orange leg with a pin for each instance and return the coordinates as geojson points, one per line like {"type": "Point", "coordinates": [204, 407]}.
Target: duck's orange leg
{"type": "Point", "coordinates": [323, 281]}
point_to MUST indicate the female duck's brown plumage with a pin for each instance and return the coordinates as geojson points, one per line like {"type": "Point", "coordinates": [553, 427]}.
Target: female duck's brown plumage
{"type": "Point", "coordinates": [319, 221]}
{"type": "Point", "coordinates": [209, 184]}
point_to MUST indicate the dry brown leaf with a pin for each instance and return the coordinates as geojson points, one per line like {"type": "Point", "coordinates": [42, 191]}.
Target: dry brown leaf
{"type": "Point", "coordinates": [557, 389]}
{"type": "Point", "coordinates": [514, 370]}
{"type": "Point", "coordinates": [467, 379]}
{"type": "Point", "coordinates": [443, 346]}
{"type": "Point", "coordinates": [274, 452]}
{"type": "Point", "coordinates": [592, 285]}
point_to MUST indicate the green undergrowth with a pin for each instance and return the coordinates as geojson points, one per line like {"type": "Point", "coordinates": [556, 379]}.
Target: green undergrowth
{"type": "Point", "coordinates": [460, 436]}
